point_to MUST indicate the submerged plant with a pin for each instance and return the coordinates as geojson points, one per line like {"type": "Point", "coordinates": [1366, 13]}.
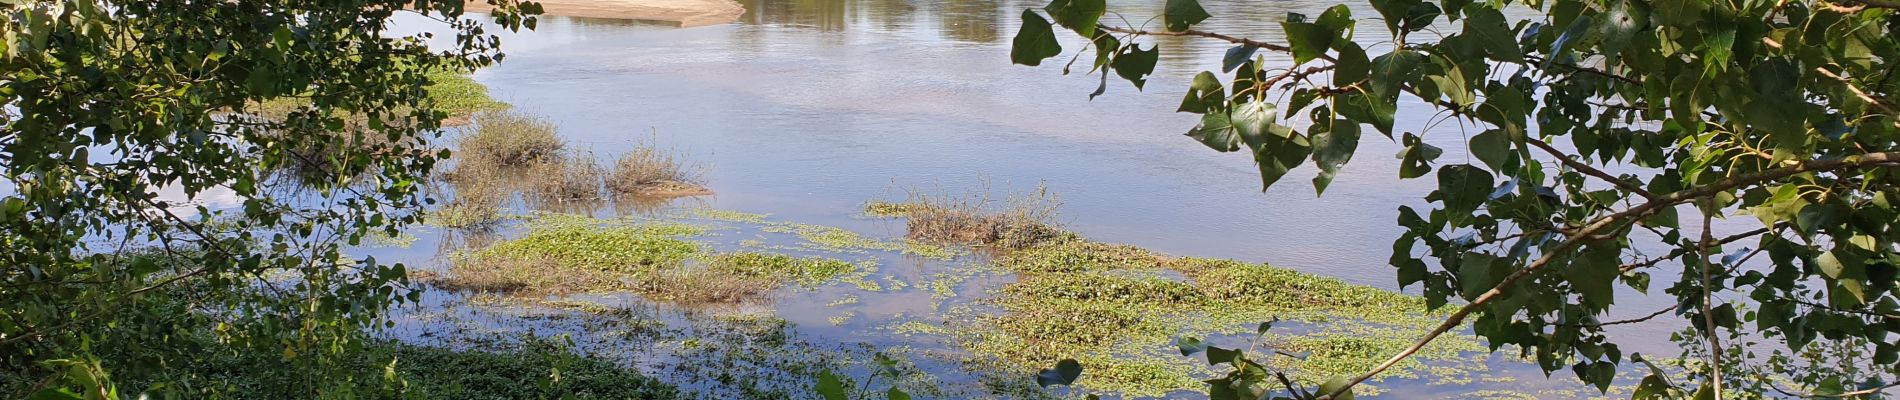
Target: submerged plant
{"type": "Point", "coordinates": [648, 170]}
{"type": "Point", "coordinates": [567, 177]}
{"type": "Point", "coordinates": [507, 139]}
{"type": "Point", "coordinates": [1024, 219]}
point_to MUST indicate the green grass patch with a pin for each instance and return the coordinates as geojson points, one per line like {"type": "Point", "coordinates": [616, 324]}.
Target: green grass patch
{"type": "Point", "coordinates": [459, 95]}
{"type": "Point", "coordinates": [1118, 309]}
{"type": "Point", "coordinates": [563, 253]}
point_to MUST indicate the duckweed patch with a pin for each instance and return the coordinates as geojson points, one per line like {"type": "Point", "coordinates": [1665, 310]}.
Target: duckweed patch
{"type": "Point", "coordinates": [840, 240]}
{"type": "Point", "coordinates": [1118, 309]}
{"type": "Point", "coordinates": [886, 209]}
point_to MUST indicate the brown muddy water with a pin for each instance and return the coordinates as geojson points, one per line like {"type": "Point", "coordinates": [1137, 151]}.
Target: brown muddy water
{"type": "Point", "coordinates": [806, 109]}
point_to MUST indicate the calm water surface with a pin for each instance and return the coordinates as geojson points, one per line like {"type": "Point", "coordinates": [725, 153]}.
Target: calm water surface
{"type": "Point", "coordinates": [807, 109]}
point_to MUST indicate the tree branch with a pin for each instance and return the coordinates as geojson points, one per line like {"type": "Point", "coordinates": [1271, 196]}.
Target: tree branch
{"type": "Point", "coordinates": [1708, 317]}
{"type": "Point", "coordinates": [1206, 34]}
{"type": "Point", "coordinates": [1679, 252]}
{"type": "Point", "coordinates": [1586, 169]}
{"type": "Point", "coordinates": [1457, 318]}
{"type": "Point", "coordinates": [1651, 316]}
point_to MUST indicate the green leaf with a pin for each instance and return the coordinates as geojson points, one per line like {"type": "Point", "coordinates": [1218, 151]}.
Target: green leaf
{"type": "Point", "coordinates": [1182, 14]}
{"type": "Point", "coordinates": [1592, 274]}
{"type": "Point", "coordinates": [1255, 121]}
{"type": "Point", "coordinates": [1308, 40]}
{"type": "Point", "coordinates": [1493, 147]}
{"type": "Point", "coordinates": [1394, 11]}
{"type": "Point", "coordinates": [829, 386]}
{"type": "Point", "coordinates": [1335, 383]}
{"type": "Point", "coordinates": [1351, 65]}
{"type": "Point", "coordinates": [1235, 56]}
{"type": "Point", "coordinates": [1332, 149]}
{"type": "Point", "coordinates": [1135, 64]}
{"type": "Point", "coordinates": [1337, 18]}
{"type": "Point", "coordinates": [1366, 109]}
{"type": "Point", "coordinates": [1034, 42]}
{"type": "Point", "coordinates": [1078, 15]}
{"type": "Point", "coordinates": [1065, 373]}
{"type": "Point", "coordinates": [1189, 346]}
{"type": "Point", "coordinates": [1478, 272]}
{"type": "Point", "coordinates": [1463, 187]}
{"type": "Point", "coordinates": [1217, 356]}
{"type": "Point", "coordinates": [1204, 95]}
{"type": "Point", "coordinates": [54, 394]}
{"type": "Point", "coordinates": [1601, 374]}
{"type": "Point", "coordinates": [1217, 132]}
{"type": "Point", "coordinates": [1281, 153]}
{"type": "Point", "coordinates": [1394, 69]}
{"type": "Point", "coordinates": [896, 394]}
{"type": "Point", "coordinates": [1488, 26]}
{"type": "Point", "coordinates": [1575, 32]}
{"type": "Point", "coordinates": [1415, 158]}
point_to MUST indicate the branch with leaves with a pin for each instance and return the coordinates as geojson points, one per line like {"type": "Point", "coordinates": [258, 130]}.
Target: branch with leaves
{"type": "Point", "coordinates": [1593, 119]}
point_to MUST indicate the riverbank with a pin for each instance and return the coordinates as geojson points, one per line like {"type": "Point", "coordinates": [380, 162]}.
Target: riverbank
{"type": "Point", "coordinates": [687, 13]}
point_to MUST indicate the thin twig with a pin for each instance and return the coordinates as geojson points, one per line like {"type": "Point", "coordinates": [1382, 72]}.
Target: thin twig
{"type": "Point", "coordinates": [1586, 169]}
{"type": "Point", "coordinates": [1679, 252]}
{"type": "Point", "coordinates": [1651, 316]}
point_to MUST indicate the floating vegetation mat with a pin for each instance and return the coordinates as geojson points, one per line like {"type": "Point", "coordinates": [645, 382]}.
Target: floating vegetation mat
{"type": "Point", "coordinates": [728, 304]}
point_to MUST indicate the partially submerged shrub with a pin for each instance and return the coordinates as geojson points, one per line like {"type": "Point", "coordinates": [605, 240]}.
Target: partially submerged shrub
{"type": "Point", "coordinates": [476, 202]}
{"type": "Point", "coordinates": [1026, 220]}
{"type": "Point", "coordinates": [565, 178]}
{"type": "Point", "coordinates": [649, 171]}
{"type": "Point", "coordinates": [507, 138]}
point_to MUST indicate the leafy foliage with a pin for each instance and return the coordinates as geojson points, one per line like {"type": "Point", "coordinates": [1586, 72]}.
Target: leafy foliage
{"type": "Point", "coordinates": [1601, 122]}
{"type": "Point", "coordinates": [106, 104]}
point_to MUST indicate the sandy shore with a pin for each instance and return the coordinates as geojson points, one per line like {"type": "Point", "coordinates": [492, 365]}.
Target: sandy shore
{"type": "Point", "coordinates": [688, 13]}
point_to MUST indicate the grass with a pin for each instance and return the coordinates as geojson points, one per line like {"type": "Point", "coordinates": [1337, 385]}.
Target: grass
{"type": "Point", "coordinates": [570, 254]}
{"type": "Point", "coordinates": [438, 373]}
{"type": "Point", "coordinates": [1117, 310]}
{"type": "Point", "coordinates": [648, 170]}
{"type": "Point", "coordinates": [563, 254]}
{"type": "Point", "coordinates": [1021, 221]}
{"type": "Point", "coordinates": [459, 96]}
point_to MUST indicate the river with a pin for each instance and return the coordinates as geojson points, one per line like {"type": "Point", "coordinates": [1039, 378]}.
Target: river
{"type": "Point", "coordinates": [807, 109]}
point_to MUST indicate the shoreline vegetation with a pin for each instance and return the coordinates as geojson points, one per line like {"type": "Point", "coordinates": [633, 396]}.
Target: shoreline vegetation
{"type": "Point", "coordinates": [686, 13]}
{"type": "Point", "coordinates": [1116, 308]}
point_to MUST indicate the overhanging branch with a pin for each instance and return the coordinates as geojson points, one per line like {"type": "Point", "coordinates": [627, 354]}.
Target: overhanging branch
{"type": "Point", "coordinates": [1870, 160]}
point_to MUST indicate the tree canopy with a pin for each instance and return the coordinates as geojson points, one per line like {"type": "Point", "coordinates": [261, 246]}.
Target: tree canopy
{"type": "Point", "coordinates": [106, 104]}
{"type": "Point", "coordinates": [1603, 127]}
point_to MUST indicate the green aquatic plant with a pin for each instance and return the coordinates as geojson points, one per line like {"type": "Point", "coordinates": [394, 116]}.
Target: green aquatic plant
{"type": "Point", "coordinates": [1118, 310]}
{"type": "Point", "coordinates": [835, 239]}
{"type": "Point", "coordinates": [563, 253]}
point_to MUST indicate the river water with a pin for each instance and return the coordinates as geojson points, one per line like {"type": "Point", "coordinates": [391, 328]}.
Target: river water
{"type": "Point", "coordinates": [807, 109]}
{"type": "Point", "coordinates": [810, 108]}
